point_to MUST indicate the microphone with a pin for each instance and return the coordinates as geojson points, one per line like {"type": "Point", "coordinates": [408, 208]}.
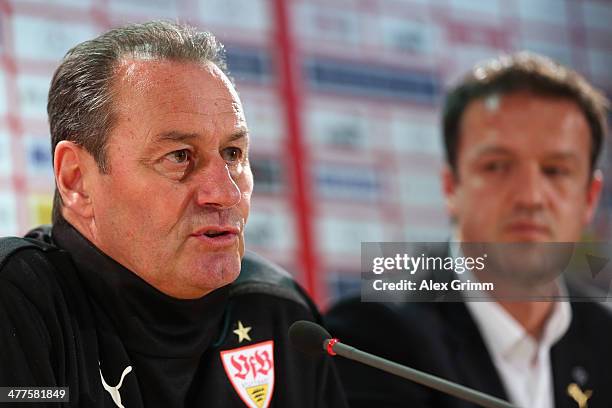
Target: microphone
{"type": "Point", "coordinates": [312, 339]}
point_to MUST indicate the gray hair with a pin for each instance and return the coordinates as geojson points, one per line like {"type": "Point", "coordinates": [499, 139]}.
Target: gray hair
{"type": "Point", "coordinates": [80, 103]}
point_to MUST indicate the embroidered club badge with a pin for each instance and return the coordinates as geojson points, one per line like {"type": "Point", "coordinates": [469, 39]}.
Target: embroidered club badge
{"type": "Point", "coordinates": [250, 369]}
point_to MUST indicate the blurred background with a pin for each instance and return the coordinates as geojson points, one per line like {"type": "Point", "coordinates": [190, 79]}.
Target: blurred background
{"type": "Point", "coordinates": [342, 98]}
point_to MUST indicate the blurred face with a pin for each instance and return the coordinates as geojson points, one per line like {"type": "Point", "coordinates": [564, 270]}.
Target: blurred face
{"type": "Point", "coordinates": [174, 205]}
{"type": "Point", "coordinates": [523, 171]}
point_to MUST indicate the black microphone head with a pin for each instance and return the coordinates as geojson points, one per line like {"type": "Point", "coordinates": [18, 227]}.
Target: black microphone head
{"type": "Point", "coordinates": [308, 337]}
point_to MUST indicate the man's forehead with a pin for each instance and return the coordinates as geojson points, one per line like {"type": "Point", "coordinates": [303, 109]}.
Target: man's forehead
{"type": "Point", "coordinates": [134, 69]}
{"type": "Point", "coordinates": [499, 123]}
{"type": "Point", "coordinates": [520, 112]}
{"type": "Point", "coordinates": [160, 82]}
{"type": "Point", "coordinates": [491, 141]}
{"type": "Point", "coordinates": [140, 75]}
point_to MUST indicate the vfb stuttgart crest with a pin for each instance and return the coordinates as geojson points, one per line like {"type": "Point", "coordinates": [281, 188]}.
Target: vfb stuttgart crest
{"type": "Point", "coordinates": [250, 369]}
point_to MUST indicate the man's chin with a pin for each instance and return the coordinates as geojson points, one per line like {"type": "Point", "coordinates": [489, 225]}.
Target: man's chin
{"type": "Point", "coordinates": [216, 270]}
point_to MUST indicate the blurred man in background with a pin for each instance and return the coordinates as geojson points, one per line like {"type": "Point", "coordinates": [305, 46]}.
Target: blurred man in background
{"type": "Point", "coordinates": [142, 295]}
{"type": "Point", "coordinates": [522, 137]}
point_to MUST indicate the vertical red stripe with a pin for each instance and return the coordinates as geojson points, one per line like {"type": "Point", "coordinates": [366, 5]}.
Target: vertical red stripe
{"type": "Point", "coordinates": [298, 160]}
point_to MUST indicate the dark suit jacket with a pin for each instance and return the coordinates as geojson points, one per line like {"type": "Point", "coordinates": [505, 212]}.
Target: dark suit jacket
{"type": "Point", "coordinates": [443, 339]}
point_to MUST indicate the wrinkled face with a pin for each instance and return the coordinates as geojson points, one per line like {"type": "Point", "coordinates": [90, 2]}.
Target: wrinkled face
{"type": "Point", "coordinates": [523, 171]}
{"type": "Point", "coordinates": [174, 205]}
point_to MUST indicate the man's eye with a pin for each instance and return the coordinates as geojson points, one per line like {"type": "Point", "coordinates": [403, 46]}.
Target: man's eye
{"type": "Point", "coordinates": [496, 166]}
{"type": "Point", "coordinates": [179, 156]}
{"type": "Point", "coordinates": [554, 171]}
{"type": "Point", "coordinates": [231, 154]}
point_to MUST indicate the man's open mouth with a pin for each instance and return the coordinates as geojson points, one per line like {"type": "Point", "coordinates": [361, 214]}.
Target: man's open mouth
{"type": "Point", "coordinates": [214, 234]}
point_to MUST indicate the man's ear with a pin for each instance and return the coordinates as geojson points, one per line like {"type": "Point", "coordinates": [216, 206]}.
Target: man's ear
{"type": "Point", "coordinates": [449, 187]}
{"type": "Point", "coordinates": [71, 165]}
{"type": "Point", "coordinates": [593, 194]}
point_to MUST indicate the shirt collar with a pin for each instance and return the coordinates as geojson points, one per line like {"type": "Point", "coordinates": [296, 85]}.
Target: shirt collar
{"type": "Point", "coordinates": [500, 330]}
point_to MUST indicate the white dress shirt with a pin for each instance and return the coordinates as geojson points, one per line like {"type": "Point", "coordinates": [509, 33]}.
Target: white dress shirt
{"type": "Point", "coordinates": [522, 362]}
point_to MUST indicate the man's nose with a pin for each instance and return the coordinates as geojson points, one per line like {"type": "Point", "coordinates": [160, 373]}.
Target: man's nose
{"type": "Point", "coordinates": [528, 189]}
{"type": "Point", "coordinates": [216, 186]}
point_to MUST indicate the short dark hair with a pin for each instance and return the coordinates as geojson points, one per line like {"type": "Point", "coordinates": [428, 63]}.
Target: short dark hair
{"type": "Point", "coordinates": [523, 71]}
{"type": "Point", "coordinates": [80, 103]}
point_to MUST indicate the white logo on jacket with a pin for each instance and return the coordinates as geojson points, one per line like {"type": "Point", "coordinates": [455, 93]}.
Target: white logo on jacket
{"type": "Point", "coordinates": [114, 391]}
{"type": "Point", "coordinates": [250, 369]}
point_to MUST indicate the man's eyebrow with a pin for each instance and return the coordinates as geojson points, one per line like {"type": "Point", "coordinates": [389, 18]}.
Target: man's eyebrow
{"type": "Point", "coordinates": [492, 150]}
{"type": "Point", "coordinates": [560, 155]}
{"type": "Point", "coordinates": [572, 156]}
{"type": "Point", "coordinates": [174, 136]}
{"type": "Point", "coordinates": [239, 134]}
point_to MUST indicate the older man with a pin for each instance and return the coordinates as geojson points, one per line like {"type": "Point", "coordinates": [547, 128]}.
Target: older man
{"type": "Point", "coordinates": [522, 137]}
{"type": "Point", "coordinates": [133, 300]}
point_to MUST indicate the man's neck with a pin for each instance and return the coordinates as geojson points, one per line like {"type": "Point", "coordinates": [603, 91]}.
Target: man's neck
{"type": "Point", "coordinates": [531, 315]}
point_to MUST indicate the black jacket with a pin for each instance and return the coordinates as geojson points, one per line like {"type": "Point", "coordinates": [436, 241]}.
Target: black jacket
{"type": "Point", "coordinates": [442, 338]}
{"type": "Point", "coordinates": [71, 316]}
